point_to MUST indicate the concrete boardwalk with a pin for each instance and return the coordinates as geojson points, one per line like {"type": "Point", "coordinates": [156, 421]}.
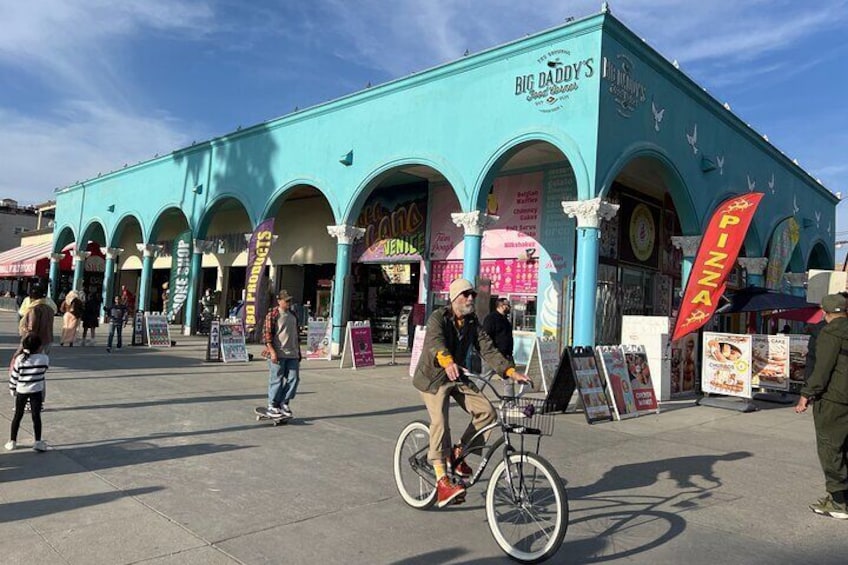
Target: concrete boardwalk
{"type": "Point", "coordinates": [157, 459]}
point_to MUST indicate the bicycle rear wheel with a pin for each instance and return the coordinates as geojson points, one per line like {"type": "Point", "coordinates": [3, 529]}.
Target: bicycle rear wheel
{"type": "Point", "coordinates": [528, 518]}
{"type": "Point", "coordinates": [414, 475]}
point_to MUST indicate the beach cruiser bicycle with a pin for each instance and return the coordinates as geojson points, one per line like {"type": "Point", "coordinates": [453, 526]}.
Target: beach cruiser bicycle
{"type": "Point", "coordinates": [526, 503]}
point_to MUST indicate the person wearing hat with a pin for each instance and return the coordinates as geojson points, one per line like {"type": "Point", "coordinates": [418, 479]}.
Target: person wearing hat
{"type": "Point", "coordinates": [453, 333]}
{"type": "Point", "coordinates": [282, 349]}
{"type": "Point", "coordinates": [827, 390]}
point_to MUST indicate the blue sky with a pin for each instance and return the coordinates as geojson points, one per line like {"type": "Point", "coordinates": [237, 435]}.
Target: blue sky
{"type": "Point", "coordinates": [88, 85]}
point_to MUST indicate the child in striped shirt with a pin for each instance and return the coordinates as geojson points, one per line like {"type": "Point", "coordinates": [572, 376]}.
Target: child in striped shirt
{"type": "Point", "coordinates": [26, 384]}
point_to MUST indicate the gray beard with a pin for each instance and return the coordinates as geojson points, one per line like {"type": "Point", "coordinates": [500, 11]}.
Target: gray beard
{"type": "Point", "coordinates": [465, 309]}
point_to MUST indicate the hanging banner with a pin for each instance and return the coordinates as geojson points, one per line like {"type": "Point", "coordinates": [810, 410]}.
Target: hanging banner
{"type": "Point", "coordinates": [180, 274]}
{"type": "Point", "coordinates": [257, 254]}
{"type": "Point", "coordinates": [716, 257]}
{"type": "Point", "coordinates": [783, 242]}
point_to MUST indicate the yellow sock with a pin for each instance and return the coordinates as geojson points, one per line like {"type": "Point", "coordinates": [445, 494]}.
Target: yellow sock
{"type": "Point", "coordinates": [439, 467]}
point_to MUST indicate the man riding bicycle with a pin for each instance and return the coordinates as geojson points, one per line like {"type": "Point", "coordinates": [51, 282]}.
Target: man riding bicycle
{"type": "Point", "coordinates": [453, 332]}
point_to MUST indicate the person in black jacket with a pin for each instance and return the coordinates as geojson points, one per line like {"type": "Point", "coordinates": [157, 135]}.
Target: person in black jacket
{"type": "Point", "coordinates": [499, 328]}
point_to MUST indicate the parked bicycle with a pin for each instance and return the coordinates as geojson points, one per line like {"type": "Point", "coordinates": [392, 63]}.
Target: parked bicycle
{"type": "Point", "coordinates": [526, 502]}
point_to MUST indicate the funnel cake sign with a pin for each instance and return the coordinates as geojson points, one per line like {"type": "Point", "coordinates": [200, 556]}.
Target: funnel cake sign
{"type": "Point", "coordinates": [549, 88]}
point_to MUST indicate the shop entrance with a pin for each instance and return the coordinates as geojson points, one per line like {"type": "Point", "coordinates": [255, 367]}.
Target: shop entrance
{"type": "Point", "coordinates": [380, 292]}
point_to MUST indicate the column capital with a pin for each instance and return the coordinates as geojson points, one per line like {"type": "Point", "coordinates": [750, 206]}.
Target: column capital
{"type": "Point", "coordinates": [148, 249]}
{"type": "Point", "coordinates": [474, 222]}
{"type": "Point", "coordinates": [346, 233]}
{"type": "Point", "coordinates": [687, 243]}
{"type": "Point", "coordinates": [111, 252]}
{"type": "Point", "coordinates": [202, 246]}
{"type": "Point", "coordinates": [56, 257]}
{"type": "Point", "coordinates": [754, 265]}
{"type": "Point", "coordinates": [81, 255]}
{"type": "Point", "coordinates": [589, 213]}
{"type": "Point", "coordinates": [796, 280]}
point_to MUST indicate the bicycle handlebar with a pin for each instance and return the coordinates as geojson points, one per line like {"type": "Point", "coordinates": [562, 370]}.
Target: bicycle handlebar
{"type": "Point", "coordinates": [486, 379]}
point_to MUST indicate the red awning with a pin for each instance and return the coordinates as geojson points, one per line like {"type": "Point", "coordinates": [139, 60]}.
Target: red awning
{"type": "Point", "coordinates": [24, 261]}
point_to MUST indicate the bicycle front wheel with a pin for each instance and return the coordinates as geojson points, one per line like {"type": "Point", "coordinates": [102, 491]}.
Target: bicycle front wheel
{"type": "Point", "coordinates": [527, 508]}
{"type": "Point", "coordinates": [414, 475]}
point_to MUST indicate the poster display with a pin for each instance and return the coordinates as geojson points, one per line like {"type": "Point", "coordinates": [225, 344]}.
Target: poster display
{"type": "Point", "coordinates": [618, 381]}
{"type": "Point", "coordinates": [651, 332]}
{"type": "Point", "coordinates": [508, 276]}
{"type": "Point", "coordinates": [544, 361]}
{"type": "Point", "coordinates": [798, 346]}
{"type": "Point", "coordinates": [318, 339]}
{"type": "Point", "coordinates": [770, 361]}
{"type": "Point", "coordinates": [358, 346]}
{"type": "Point", "coordinates": [213, 344]}
{"type": "Point", "coordinates": [522, 346]}
{"type": "Point", "coordinates": [589, 384]}
{"type": "Point", "coordinates": [684, 365]}
{"type": "Point", "coordinates": [726, 362]}
{"type": "Point", "coordinates": [233, 347]}
{"type": "Point", "coordinates": [641, 383]}
{"type": "Point", "coordinates": [417, 348]}
{"type": "Point", "coordinates": [158, 333]}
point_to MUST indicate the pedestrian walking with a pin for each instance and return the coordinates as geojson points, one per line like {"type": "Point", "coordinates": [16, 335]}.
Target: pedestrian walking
{"type": "Point", "coordinates": [116, 315]}
{"type": "Point", "coordinates": [499, 327]}
{"type": "Point", "coordinates": [27, 385]}
{"type": "Point", "coordinates": [37, 318]}
{"type": "Point", "coordinates": [282, 350]}
{"type": "Point", "coordinates": [72, 312]}
{"type": "Point", "coordinates": [90, 317]}
{"type": "Point", "coordinates": [827, 390]}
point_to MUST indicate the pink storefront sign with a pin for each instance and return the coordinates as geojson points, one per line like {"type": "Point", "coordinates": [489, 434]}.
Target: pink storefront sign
{"type": "Point", "coordinates": [508, 276]}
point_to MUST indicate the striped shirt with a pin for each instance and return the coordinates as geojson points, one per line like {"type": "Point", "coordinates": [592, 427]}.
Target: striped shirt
{"type": "Point", "coordinates": [27, 375]}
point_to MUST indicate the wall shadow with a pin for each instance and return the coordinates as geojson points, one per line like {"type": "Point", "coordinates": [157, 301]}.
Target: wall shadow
{"type": "Point", "coordinates": [29, 509]}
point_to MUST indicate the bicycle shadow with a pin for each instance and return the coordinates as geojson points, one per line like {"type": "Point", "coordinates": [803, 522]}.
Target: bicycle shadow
{"type": "Point", "coordinates": [617, 524]}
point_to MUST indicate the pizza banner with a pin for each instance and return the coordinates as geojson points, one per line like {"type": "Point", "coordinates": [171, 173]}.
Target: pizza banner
{"type": "Point", "coordinates": [715, 260]}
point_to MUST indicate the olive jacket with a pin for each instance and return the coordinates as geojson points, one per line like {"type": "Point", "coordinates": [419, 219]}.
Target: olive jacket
{"type": "Point", "coordinates": [445, 338]}
{"type": "Point", "coordinates": [829, 379]}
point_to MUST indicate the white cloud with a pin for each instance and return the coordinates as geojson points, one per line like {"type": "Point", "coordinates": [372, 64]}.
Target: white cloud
{"type": "Point", "coordinates": [75, 143]}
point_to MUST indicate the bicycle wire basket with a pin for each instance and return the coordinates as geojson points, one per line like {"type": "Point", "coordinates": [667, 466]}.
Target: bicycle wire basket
{"type": "Point", "coordinates": [528, 416]}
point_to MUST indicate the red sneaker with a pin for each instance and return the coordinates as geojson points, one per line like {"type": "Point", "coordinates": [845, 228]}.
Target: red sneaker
{"type": "Point", "coordinates": [461, 469]}
{"type": "Point", "coordinates": [448, 492]}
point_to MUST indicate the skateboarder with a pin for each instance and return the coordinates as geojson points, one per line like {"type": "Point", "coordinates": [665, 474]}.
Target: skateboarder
{"type": "Point", "coordinates": [282, 349]}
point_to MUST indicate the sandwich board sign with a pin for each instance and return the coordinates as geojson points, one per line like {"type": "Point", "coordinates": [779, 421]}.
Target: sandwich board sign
{"type": "Point", "coordinates": [543, 364]}
{"type": "Point", "coordinates": [358, 347]}
{"type": "Point", "coordinates": [233, 346]}
{"type": "Point", "coordinates": [158, 332]}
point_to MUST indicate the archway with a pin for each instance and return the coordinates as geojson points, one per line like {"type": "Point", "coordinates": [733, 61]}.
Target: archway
{"type": "Point", "coordinates": [168, 225]}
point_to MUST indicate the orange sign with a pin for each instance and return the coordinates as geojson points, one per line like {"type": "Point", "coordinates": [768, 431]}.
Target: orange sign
{"type": "Point", "coordinates": [716, 257]}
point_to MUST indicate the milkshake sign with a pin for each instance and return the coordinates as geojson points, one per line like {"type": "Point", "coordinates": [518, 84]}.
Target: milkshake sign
{"type": "Point", "coordinates": [627, 92]}
{"type": "Point", "coordinates": [550, 88]}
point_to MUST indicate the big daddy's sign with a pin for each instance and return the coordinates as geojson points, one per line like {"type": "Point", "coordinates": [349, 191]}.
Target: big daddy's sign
{"type": "Point", "coordinates": [716, 258]}
{"type": "Point", "coordinates": [558, 76]}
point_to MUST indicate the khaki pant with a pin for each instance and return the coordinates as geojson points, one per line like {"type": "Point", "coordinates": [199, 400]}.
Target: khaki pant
{"type": "Point", "coordinates": [831, 421]}
{"type": "Point", "coordinates": [469, 399]}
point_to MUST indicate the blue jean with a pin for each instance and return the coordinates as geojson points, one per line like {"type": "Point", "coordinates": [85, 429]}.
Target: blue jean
{"type": "Point", "coordinates": [115, 327]}
{"type": "Point", "coordinates": [283, 378]}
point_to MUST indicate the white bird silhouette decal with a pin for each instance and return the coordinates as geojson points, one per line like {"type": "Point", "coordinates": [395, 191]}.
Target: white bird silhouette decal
{"type": "Point", "coordinates": [771, 183]}
{"type": "Point", "coordinates": [658, 116]}
{"type": "Point", "coordinates": [795, 208]}
{"type": "Point", "coordinates": [720, 163]}
{"type": "Point", "coordinates": [693, 139]}
{"type": "Point", "coordinates": [752, 184]}
{"type": "Point", "coordinates": [818, 218]}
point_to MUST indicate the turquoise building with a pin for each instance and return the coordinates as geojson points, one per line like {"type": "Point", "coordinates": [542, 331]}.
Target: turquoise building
{"type": "Point", "coordinates": [572, 170]}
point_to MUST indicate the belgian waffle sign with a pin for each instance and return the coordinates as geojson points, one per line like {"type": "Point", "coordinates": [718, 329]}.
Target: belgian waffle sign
{"type": "Point", "coordinates": [558, 76]}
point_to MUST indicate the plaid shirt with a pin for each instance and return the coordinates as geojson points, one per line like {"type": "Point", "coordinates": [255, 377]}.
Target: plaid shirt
{"type": "Point", "coordinates": [269, 329]}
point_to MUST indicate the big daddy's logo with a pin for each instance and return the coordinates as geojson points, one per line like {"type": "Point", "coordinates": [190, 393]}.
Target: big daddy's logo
{"type": "Point", "coordinates": [549, 88]}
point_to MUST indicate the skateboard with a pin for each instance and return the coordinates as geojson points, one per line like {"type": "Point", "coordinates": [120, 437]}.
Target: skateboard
{"type": "Point", "coordinates": [262, 414]}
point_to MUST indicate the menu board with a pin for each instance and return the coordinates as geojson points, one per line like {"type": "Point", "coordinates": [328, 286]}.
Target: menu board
{"type": "Point", "coordinates": [726, 364]}
{"type": "Point", "coordinates": [589, 384]}
{"type": "Point", "coordinates": [358, 346]}
{"type": "Point", "coordinates": [543, 364]}
{"type": "Point", "coordinates": [639, 373]}
{"type": "Point", "coordinates": [798, 346]}
{"type": "Point", "coordinates": [233, 347]}
{"type": "Point", "coordinates": [417, 348]}
{"type": "Point", "coordinates": [318, 339]}
{"type": "Point", "coordinates": [618, 381]}
{"type": "Point", "coordinates": [158, 333]}
{"type": "Point", "coordinates": [507, 275]}
{"type": "Point", "coordinates": [770, 361]}
{"type": "Point", "coordinates": [684, 365]}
